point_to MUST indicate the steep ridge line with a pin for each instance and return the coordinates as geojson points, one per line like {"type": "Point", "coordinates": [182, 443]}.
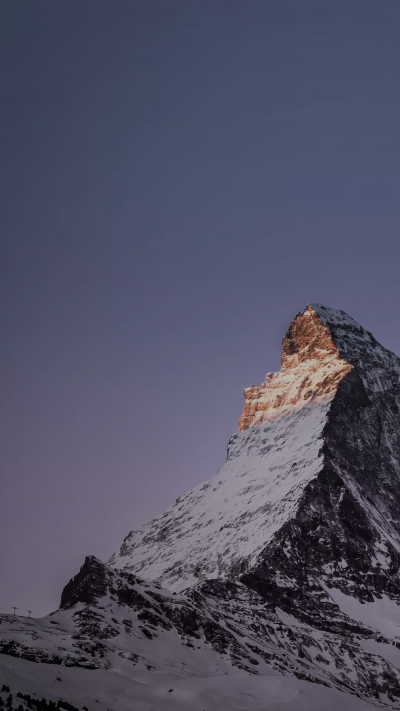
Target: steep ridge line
{"type": "Point", "coordinates": [112, 620]}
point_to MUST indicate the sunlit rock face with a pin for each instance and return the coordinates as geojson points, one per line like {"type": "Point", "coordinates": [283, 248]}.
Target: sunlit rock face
{"type": "Point", "coordinates": [311, 369]}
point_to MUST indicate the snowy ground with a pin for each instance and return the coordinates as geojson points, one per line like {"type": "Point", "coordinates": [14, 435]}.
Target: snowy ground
{"type": "Point", "coordinates": [102, 690]}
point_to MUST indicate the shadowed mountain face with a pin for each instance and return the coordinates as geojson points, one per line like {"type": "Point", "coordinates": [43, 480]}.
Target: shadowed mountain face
{"type": "Point", "coordinates": [286, 561]}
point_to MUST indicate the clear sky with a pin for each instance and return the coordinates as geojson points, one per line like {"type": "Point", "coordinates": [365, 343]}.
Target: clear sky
{"type": "Point", "coordinates": [178, 179]}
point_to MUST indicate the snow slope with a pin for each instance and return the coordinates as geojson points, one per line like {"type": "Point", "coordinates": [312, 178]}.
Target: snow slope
{"type": "Point", "coordinates": [221, 526]}
{"type": "Point", "coordinates": [101, 690]}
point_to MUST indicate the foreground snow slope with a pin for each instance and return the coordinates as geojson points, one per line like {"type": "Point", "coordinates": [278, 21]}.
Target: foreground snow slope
{"type": "Point", "coordinates": [101, 690]}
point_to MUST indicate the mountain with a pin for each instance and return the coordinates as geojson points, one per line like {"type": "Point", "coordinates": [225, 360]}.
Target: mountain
{"type": "Point", "coordinates": [284, 565]}
{"type": "Point", "coordinates": [311, 485]}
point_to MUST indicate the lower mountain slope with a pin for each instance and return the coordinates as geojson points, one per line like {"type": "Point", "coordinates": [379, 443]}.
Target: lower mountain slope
{"type": "Point", "coordinates": [112, 621]}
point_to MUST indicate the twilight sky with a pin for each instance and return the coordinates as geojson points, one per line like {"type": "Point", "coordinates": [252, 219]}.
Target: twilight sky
{"type": "Point", "coordinates": [179, 179]}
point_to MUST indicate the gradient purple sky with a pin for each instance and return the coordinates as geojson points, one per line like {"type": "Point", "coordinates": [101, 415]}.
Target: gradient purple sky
{"type": "Point", "coordinates": [179, 179]}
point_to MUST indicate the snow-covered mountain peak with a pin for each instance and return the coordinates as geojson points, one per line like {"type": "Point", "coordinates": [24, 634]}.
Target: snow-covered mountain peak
{"type": "Point", "coordinates": [286, 561]}
{"type": "Point", "coordinates": [308, 337]}
{"type": "Point", "coordinates": [222, 527]}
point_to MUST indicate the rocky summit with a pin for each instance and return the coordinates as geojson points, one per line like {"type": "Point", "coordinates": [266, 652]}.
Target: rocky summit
{"type": "Point", "coordinates": [274, 584]}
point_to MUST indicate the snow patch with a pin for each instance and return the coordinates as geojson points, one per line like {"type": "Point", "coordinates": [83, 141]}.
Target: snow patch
{"type": "Point", "coordinates": [382, 615]}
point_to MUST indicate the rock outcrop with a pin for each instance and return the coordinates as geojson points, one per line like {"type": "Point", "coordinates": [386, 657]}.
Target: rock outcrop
{"type": "Point", "coordinates": [311, 370]}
